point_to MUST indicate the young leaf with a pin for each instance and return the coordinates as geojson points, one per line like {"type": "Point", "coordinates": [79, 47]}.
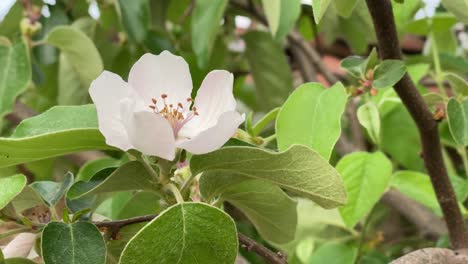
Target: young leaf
{"type": "Point", "coordinates": [52, 192]}
{"type": "Point", "coordinates": [298, 169]}
{"type": "Point", "coordinates": [368, 116]}
{"type": "Point", "coordinates": [185, 233]}
{"type": "Point", "coordinates": [206, 17]}
{"type": "Point", "coordinates": [15, 73]}
{"type": "Point", "coordinates": [458, 83]}
{"type": "Point", "coordinates": [290, 11]}
{"type": "Point", "coordinates": [319, 7]}
{"type": "Point", "coordinates": [79, 50]}
{"type": "Point", "coordinates": [136, 18]}
{"type": "Point", "coordinates": [272, 11]}
{"type": "Point", "coordinates": [58, 131]}
{"type": "Point", "coordinates": [130, 176]}
{"type": "Point", "coordinates": [458, 8]}
{"type": "Point", "coordinates": [266, 119]}
{"type": "Point", "coordinates": [269, 209]}
{"type": "Point", "coordinates": [78, 243]}
{"type": "Point", "coordinates": [457, 114]}
{"type": "Point", "coordinates": [366, 177]}
{"type": "Point", "coordinates": [312, 116]}
{"type": "Point", "coordinates": [334, 253]}
{"type": "Point", "coordinates": [355, 65]}
{"type": "Point", "coordinates": [10, 187]}
{"type": "Point", "coordinates": [270, 69]}
{"type": "Point", "coordinates": [345, 7]}
{"type": "Point", "coordinates": [417, 186]}
{"type": "Point", "coordinates": [388, 73]}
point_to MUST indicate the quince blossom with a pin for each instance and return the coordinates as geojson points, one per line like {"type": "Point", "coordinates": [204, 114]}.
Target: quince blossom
{"type": "Point", "coordinates": [154, 113]}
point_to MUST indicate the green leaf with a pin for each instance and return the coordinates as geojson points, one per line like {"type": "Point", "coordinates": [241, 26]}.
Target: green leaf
{"type": "Point", "coordinates": [400, 137]}
{"type": "Point", "coordinates": [15, 73]}
{"type": "Point", "coordinates": [290, 11]}
{"type": "Point", "coordinates": [312, 116]}
{"type": "Point", "coordinates": [18, 261]}
{"type": "Point", "coordinates": [136, 18]}
{"type": "Point", "coordinates": [366, 177]}
{"type": "Point", "coordinates": [334, 253]}
{"type": "Point", "coordinates": [10, 25]}
{"type": "Point", "coordinates": [345, 7]}
{"type": "Point", "coordinates": [269, 209]}
{"type": "Point", "coordinates": [130, 176]}
{"type": "Point", "coordinates": [417, 186]}
{"type": "Point", "coordinates": [71, 89]}
{"type": "Point", "coordinates": [457, 115]}
{"type": "Point", "coordinates": [89, 169]}
{"type": "Point", "coordinates": [264, 121]}
{"type": "Point", "coordinates": [437, 24]}
{"type": "Point", "coordinates": [185, 233]}
{"type": "Point", "coordinates": [319, 7]}
{"type": "Point", "coordinates": [355, 65]}
{"type": "Point", "coordinates": [52, 192]}
{"type": "Point", "coordinates": [368, 116]}
{"type": "Point", "coordinates": [269, 68]}
{"type": "Point", "coordinates": [298, 169]}
{"type": "Point", "coordinates": [458, 8]}
{"type": "Point", "coordinates": [77, 243]}
{"type": "Point", "coordinates": [272, 11]}
{"type": "Point", "coordinates": [28, 198]}
{"type": "Point", "coordinates": [79, 50]}
{"type": "Point", "coordinates": [458, 83]}
{"type": "Point", "coordinates": [10, 187]}
{"type": "Point", "coordinates": [206, 17]}
{"type": "Point", "coordinates": [58, 131]}
{"type": "Point", "coordinates": [388, 73]}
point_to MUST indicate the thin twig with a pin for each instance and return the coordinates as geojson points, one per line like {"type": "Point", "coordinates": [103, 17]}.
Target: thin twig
{"type": "Point", "coordinates": [384, 24]}
{"type": "Point", "coordinates": [252, 245]}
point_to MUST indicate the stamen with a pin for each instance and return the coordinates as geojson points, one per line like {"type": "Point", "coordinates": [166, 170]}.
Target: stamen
{"type": "Point", "coordinates": [154, 100]}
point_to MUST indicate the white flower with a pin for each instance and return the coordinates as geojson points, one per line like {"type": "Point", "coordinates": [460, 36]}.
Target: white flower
{"type": "Point", "coordinates": [152, 113]}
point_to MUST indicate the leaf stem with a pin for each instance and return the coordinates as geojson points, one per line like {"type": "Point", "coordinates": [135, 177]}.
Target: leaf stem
{"type": "Point", "coordinates": [176, 192]}
{"type": "Point", "coordinates": [437, 68]}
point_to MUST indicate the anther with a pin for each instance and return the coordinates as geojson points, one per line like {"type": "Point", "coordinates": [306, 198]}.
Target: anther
{"type": "Point", "coordinates": [152, 107]}
{"type": "Point", "coordinates": [163, 96]}
{"type": "Point", "coordinates": [154, 100]}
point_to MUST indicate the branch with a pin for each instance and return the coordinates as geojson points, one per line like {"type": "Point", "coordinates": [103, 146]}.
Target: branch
{"type": "Point", "coordinates": [252, 245]}
{"type": "Point", "coordinates": [384, 24]}
{"type": "Point", "coordinates": [246, 242]}
{"type": "Point", "coordinates": [434, 256]}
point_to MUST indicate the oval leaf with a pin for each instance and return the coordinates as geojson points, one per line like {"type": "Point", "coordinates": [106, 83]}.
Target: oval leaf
{"type": "Point", "coordinates": [457, 114]}
{"type": "Point", "coordinates": [368, 116]}
{"type": "Point", "coordinates": [10, 187]}
{"type": "Point", "coordinates": [77, 243]}
{"type": "Point", "coordinates": [388, 73]}
{"type": "Point", "coordinates": [366, 177]}
{"type": "Point", "coordinates": [206, 17]}
{"type": "Point", "coordinates": [52, 192]}
{"type": "Point", "coordinates": [15, 73]}
{"type": "Point", "coordinates": [298, 169]}
{"type": "Point", "coordinates": [312, 116]}
{"type": "Point", "coordinates": [79, 51]}
{"type": "Point", "coordinates": [58, 131]}
{"type": "Point", "coordinates": [269, 209]}
{"type": "Point", "coordinates": [185, 233]}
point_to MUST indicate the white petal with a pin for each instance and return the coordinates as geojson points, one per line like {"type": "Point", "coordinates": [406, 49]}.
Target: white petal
{"type": "Point", "coordinates": [20, 246]}
{"type": "Point", "coordinates": [107, 91]}
{"type": "Point", "coordinates": [214, 137]}
{"type": "Point", "coordinates": [214, 98]}
{"type": "Point", "coordinates": [151, 134]}
{"type": "Point", "coordinates": [153, 75]}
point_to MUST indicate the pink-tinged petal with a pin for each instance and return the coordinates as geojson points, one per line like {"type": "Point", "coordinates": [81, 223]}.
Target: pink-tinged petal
{"type": "Point", "coordinates": [106, 92]}
{"type": "Point", "coordinates": [154, 75]}
{"type": "Point", "coordinates": [20, 246]}
{"type": "Point", "coordinates": [151, 134]}
{"type": "Point", "coordinates": [215, 136]}
{"type": "Point", "coordinates": [214, 98]}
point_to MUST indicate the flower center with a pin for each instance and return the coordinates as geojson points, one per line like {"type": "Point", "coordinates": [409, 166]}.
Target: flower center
{"type": "Point", "coordinates": [176, 116]}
